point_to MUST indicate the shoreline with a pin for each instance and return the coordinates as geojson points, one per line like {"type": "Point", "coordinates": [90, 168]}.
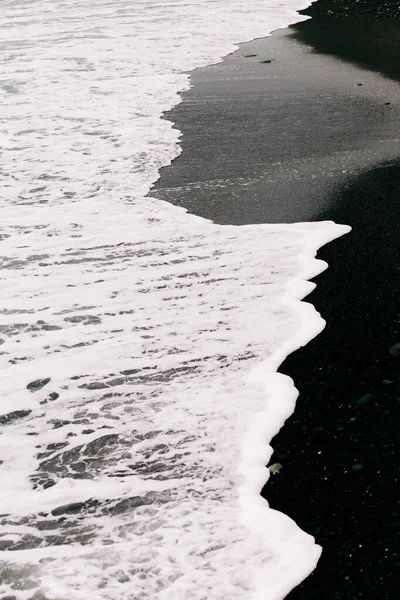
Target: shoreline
{"type": "Point", "coordinates": [338, 447]}
{"type": "Point", "coordinates": [273, 154]}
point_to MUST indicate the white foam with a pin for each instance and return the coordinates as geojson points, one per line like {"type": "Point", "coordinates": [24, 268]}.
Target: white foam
{"type": "Point", "coordinates": [160, 331]}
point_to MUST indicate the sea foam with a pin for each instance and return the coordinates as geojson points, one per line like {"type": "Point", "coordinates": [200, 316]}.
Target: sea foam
{"type": "Point", "coordinates": [135, 472]}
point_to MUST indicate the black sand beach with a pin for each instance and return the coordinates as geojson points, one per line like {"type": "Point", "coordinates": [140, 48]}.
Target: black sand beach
{"type": "Point", "coordinates": [315, 134]}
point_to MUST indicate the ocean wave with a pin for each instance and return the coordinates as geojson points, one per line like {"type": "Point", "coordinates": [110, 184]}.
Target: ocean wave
{"type": "Point", "coordinates": [139, 344]}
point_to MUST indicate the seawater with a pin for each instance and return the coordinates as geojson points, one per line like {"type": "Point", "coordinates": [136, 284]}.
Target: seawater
{"type": "Point", "coordinates": [138, 344]}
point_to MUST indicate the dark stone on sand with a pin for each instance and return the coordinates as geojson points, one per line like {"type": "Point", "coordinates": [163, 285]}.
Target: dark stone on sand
{"type": "Point", "coordinates": [53, 396]}
{"type": "Point", "coordinates": [250, 55]}
{"type": "Point", "coordinates": [68, 509]}
{"type": "Point", "coordinates": [265, 62]}
{"type": "Point", "coordinates": [2, 341]}
{"type": "Point", "coordinates": [14, 416]}
{"type": "Point", "coordinates": [38, 384]}
{"type": "Point", "coordinates": [87, 431]}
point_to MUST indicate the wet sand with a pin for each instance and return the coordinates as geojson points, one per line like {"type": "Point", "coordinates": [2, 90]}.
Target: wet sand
{"type": "Point", "coordinates": [313, 135]}
{"type": "Point", "coordinates": [269, 142]}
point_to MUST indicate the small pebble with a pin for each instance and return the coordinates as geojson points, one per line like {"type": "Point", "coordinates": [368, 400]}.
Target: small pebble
{"type": "Point", "coordinates": [275, 469]}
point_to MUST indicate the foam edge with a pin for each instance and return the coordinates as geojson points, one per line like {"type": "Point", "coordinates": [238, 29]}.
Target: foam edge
{"type": "Point", "coordinates": [294, 550]}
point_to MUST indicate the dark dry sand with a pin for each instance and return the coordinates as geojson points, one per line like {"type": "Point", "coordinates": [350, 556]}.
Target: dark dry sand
{"type": "Point", "coordinates": [299, 139]}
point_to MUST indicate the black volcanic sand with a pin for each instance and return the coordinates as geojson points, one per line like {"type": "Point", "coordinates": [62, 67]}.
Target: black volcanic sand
{"type": "Point", "coordinates": [340, 448]}
{"type": "Point", "coordinates": [299, 139]}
